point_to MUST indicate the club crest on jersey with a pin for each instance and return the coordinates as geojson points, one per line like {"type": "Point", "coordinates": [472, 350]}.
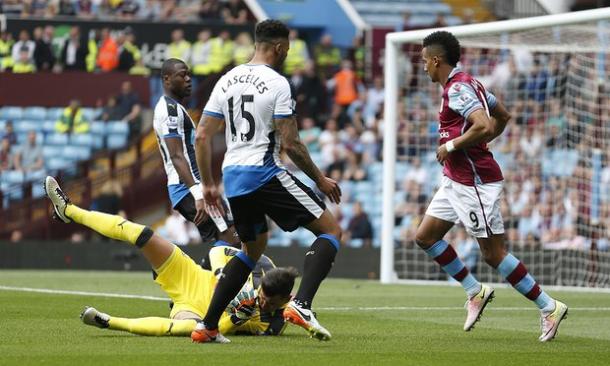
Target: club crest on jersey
{"type": "Point", "coordinates": [172, 121]}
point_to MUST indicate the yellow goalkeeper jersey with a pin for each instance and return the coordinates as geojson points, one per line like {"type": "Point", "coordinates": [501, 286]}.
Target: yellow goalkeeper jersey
{"type": "Point", "coordinates": [191, 288]}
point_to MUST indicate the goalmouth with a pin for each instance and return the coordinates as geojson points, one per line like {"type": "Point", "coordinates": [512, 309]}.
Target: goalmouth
{"type": "Point", "coordinates": [543, 37]}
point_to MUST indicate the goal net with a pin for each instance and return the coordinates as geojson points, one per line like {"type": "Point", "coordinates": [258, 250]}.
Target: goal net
{"type": "Point", "coordinates": [553, 75]}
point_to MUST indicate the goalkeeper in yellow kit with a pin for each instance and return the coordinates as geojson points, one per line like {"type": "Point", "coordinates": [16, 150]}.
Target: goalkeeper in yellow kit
{"type": "Point", "coordinates": [256, 310]}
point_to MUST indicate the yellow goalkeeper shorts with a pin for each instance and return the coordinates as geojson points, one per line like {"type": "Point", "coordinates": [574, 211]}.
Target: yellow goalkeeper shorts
{"type": "Point", "coordinates": [188, 285]}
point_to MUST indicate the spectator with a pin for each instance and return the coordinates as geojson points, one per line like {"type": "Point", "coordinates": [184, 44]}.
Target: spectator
{"type": "Point", "coordinates": [74, 52]}
{"type": "Point", "coordinates": [439, 22]}
{"type": "Point", "coordinates": [34, 7]}
{"type": "Point", "coordinates": [345, 84]}
{"type": "Point", "coordinates": [328, 57]}
{"type": "Point", "coordinates": [139, 69]}
{"type": "Point", "coordinates": [529, 222]}
{"type": "Point", "coordinates": [311, 94]}
{"type": "Point", "coordinates": [168, 10]}
{"type": "Point", "coordinates": [150, 11]}
{"type": "Point", "coordinates": [179, 47]}
{"type": "Point", "coordinates": [92, 49]}
{"type": "Point", "coordinates": [244, 48]}
{"type": "Point", "coordinates": [359, 226]}
{"type": "Point", "coordinates": [24, 43]}
{"type": "Point", "coordinates": [467, 249]}
{"type": "Point", "coordinates": [6, 44]}
{"type": "Point", "coordinates": [71, 120]}
{"type": "Point", "coordinates": [110, 112]}
{"type": "Point", "coordinates": [200, 56]}
{"type": "Point", "coordinates": [209, 9]}
{"type": "Point", "coordinates": [405, 24]}
{"type": "Point", "coordinates": [535, 83]}
{"type": "Point", "coordinates": [28, 157]}
{"type": "Point", "coordinates": [374, 99]}
{"type": "Point", "coordinates": [354, 169]}
{"type": "Point", "coordinates": [556, 115]}
{"type": "Point", "coordinates": [44, 56]}
{"type": "Point", "coordinates": [9, 132]}
{"type": "Point", "coordinates": [108, 52]}
{"type": "Point", "coordinates": [128, 105]}
{"type": "Point", "coordinates": [109, 200]}
{"type": "Point", "coordinates": [336, 167]}
{"type": "Point", "coordinates": [297, 55]}
{"type": "Point", "coordinates": [16, 236]}
{"type": "Point", "coordinates": [129, 53]}
{"type": "Point", "coordinates": [24, 65]}
{"type": "Point", "coordinates": [67, 8]}
{"type": "Point", "coordinates": [329, 139]}
{"type": "Point", "coordinates": [6, 158]}
{"type": "Point", "coordinates": [468, 16]}
{"type": "Point", "coordinates": [127, 9]}
{"type": "Point", "coordinates": [221, 54]}
{"type": "Point", "coordinates": [179, 231]}
{"type": "Point", "coordinates": [85, 9]}
{"type": "Point", "coordinates": [417, 172]}
{"type": "Point", "coordinates": [356, 54]}
{"type": "Point", "coordinates": [235, 12]}
{"type": "Point", "coordinates": [531, 142]}
{"type": "Point", "coordinates": [309, 134]}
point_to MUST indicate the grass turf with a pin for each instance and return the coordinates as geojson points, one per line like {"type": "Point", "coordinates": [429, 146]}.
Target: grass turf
{"type": "Point", "coordinates": [44, 328]}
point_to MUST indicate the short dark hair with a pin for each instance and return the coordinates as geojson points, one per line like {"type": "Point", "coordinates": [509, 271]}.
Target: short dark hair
{"type": "Point", "coordinates": [447, 42]}
{"type": "Point", "coordinates": [270, 31]}
{"type": "Point", "coordinates": [169, 65]}
{"type": "Point", "coordinates": [279, 281]}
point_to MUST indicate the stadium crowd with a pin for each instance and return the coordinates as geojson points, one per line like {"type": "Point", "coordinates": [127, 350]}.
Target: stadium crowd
{"type": "Point", "coordinates": [230, 11]}
{"type": "Point", "coordinates": [551, 198]}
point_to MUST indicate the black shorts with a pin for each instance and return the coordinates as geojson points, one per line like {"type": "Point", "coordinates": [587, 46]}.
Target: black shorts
{"type": "Point", "coordinates": [285, 199]}
{"type": "Point", "coordinates": [207, 229]}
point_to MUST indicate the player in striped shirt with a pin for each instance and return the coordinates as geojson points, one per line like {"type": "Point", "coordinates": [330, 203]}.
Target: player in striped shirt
{"type": "Point", "coordinates": [175, 132]}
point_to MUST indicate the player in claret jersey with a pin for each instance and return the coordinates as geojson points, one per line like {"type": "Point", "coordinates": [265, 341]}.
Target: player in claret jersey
{"type": "Point", "coordinates": [471, 187]}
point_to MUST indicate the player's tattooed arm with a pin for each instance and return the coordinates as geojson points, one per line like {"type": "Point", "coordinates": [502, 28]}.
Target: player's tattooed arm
{"type": "Point", "coordinates": [296, 150]}
{"type": "Point", "coordinates": [500, 119]}
{"type": "Point", "coordinates": [207, 128]}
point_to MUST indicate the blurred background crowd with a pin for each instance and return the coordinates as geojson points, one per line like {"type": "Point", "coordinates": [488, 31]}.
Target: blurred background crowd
{"type": "Point", "coordinates": [554, 154]}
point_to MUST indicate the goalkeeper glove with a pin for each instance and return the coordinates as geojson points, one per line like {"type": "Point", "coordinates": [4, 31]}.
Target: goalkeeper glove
{"type": "Point", "coordinates": [243, 306]}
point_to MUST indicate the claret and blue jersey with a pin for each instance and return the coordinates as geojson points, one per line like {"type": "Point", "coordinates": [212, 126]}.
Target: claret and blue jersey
{"type": "Point", "coordinates": [463, 95]}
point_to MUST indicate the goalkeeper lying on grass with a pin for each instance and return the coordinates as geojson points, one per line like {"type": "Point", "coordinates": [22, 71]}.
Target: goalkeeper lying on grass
{"type": "Point", "coordinates": [256, 310]}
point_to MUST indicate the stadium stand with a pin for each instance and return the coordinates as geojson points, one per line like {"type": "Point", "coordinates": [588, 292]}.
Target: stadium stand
{"type": "Point", "coordinates": [350, 137]}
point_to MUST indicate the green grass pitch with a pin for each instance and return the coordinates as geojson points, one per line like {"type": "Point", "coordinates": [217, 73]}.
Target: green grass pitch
{"type": "Point", "coordinates": [372, 324]}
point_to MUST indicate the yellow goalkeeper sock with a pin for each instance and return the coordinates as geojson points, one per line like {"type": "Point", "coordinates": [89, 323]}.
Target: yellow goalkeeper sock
{"type": "Point", "coordinates": [153, 326]}
{"type": "Point", "coordinates": [111, 226]}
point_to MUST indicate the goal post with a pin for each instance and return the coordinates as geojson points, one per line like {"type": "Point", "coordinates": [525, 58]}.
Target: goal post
{"type": "Point", "coordinates": [550, 34]}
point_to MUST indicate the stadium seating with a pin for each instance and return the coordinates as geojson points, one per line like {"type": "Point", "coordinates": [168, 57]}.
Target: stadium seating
{"type": "Point", "coordinates": [60, 151]}
{"type": "Point", "coordinates": [389, 13]}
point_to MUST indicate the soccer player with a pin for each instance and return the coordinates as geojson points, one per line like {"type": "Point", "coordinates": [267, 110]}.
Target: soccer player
{"type": "Point", "coordinates": [189, 286]}
{"type": "Point", "coordinates": [175, 132]}
{"type": "Point", "coordinates": [255, 106]}
{"type": "Point", "coordinates": [471, 186]}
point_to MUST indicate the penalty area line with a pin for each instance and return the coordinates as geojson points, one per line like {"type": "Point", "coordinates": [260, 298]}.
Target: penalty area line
{"type": "Point", "coordinates": [323, 308]}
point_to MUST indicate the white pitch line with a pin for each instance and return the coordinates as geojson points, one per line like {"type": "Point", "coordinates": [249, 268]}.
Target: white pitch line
{"type": "Point", "coordinates": [333, 308]}
{"type": "Point", "coordinates": [81, 293]}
